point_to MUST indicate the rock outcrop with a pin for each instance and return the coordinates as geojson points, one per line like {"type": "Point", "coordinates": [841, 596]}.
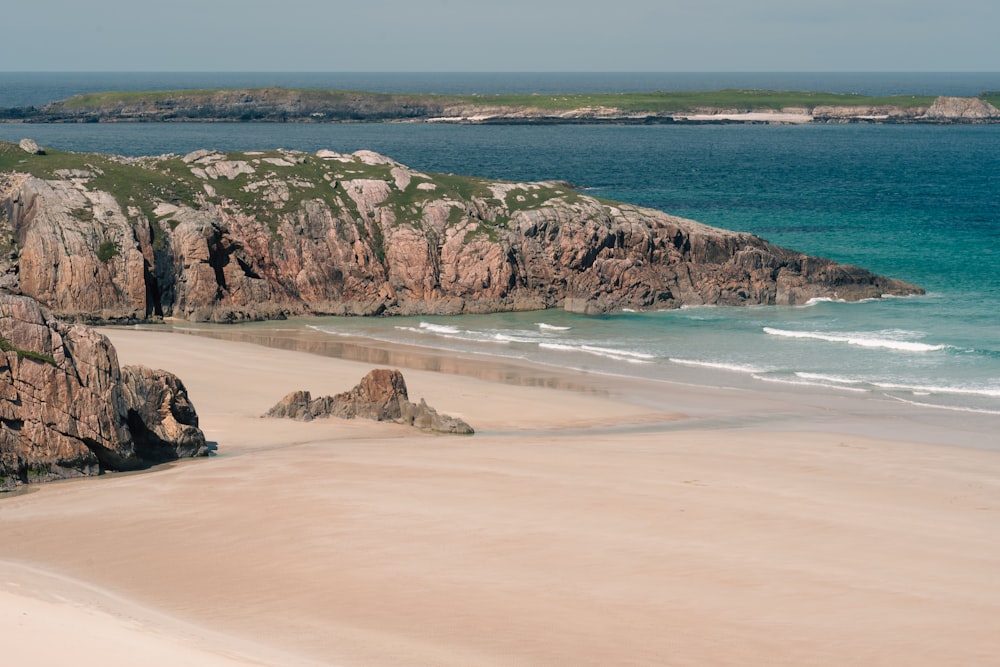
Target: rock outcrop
{"type": "Point", "coordinates": [67, 409]}
{"type": "Point", "coordinates": [962, 109]}
{"type": "Point", "coordinates": [381, 395]}
{"type": "Point", "coordinates": [257, 235]}
{"type": "Point", "coordinates": [29, 146]}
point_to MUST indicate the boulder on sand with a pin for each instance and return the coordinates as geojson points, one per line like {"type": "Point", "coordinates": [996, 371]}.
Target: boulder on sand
{"type": "Point", "coordinates": [381, 395]}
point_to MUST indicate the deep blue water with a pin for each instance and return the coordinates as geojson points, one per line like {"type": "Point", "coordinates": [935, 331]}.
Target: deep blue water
{"type": "Point", "coordinates": [921, 203]}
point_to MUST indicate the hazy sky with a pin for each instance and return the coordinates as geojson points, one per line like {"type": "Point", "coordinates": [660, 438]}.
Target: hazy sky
{"type": "Point", "coordinates": [505, 35]}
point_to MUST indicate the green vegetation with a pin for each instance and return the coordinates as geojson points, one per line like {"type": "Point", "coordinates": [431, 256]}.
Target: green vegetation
{"type": "Point", "coordinates": [279, 185]}
{"type": "Point", "coordinates": [667, 102]}
{"type": "Point", "coordinates": [346, 104]}
{"type": "Point", "coordinates": [136, 183]}
{"type": "Point", "coordinates": [123, 97]}
{"type": "Point", "coordinates": [85, 213]}
{"type": "Point", "coordinates": [536, 196]}
{"type": "Point", "coordinates": [107, 250]}
{"type": "Point", "coordinates": [7, 346]}
{"type": "Point", "coordinates": [306, 96]}
{"type": "Point", "coordinates": [993, 97]}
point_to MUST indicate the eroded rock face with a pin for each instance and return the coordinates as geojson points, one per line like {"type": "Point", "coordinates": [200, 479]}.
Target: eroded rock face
{"type": "Point", "coordinates": [377, 397]}
{"type": "Point", "coordinates": [67, 409]}
{"type": "Point", "coordinates": [381, 395]}
{"type": "Point", "coordinates": [161, 417]}
{"type": "Point", "coordinates": [264, 236]}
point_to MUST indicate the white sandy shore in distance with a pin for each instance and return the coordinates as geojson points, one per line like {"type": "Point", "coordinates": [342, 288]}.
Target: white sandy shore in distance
{"type": "Point", "coordinates": [624, 525]}
{"type": "Point", "coordinates": [752, 117]}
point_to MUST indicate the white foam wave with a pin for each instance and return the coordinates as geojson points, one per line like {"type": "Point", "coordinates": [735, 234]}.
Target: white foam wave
{"type": "Point", "coordinates": [861, 339]}
{"type": "Point", "coordinates": [821, 299]}
{"type": "Point", "coordinates": [551, 327]}
{"type": "Point", "coordinates": [622, 353]}
{"type": "Point", "coordinates": [991, 392]}
{"type": "Point", "coordinates": [507, 338]}
{"type": "Point", "coordinates": [328, 331]}
{"type": "Point", "coordinates": [820, 377]}
{"type": "Point", "coordinates": [439, 328]}
{"type": "Point", "coordinates": [423, 331]}
{"type": "Point", "coordinates": [617, 355]}
{"type": "Point", "coordinates": [739, 368]}
{"type": "Point", "coordinates": [953, 408]}
{"type": "Point", "coordinates": [806, 383]}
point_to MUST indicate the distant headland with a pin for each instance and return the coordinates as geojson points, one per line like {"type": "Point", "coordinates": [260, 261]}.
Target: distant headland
{"type": "Point", "coordinates": [314, 105]}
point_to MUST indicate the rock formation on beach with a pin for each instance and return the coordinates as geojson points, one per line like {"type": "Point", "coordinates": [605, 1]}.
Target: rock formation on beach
{"type": "Point", "coordinates": [67, 409]}
{"type": "Point", "coordinates": [381, 395]}
{"type": "Point", "coordinates": [266, 234]}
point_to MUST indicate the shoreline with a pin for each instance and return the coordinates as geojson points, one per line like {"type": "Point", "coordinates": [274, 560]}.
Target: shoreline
{"type": "Point", "coordinates": [749, 400]}
{"type": "Point", "coordinates": [586, 522]}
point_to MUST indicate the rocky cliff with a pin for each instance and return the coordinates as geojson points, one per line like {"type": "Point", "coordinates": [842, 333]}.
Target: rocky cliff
{"type": "Point", "coordinates": [67, 409]}
{"type": "Point", "coordinates": [227, 237]}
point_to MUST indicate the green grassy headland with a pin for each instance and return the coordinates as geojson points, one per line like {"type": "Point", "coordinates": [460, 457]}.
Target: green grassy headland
{"type": "Point", "coordinates": [647, 102]}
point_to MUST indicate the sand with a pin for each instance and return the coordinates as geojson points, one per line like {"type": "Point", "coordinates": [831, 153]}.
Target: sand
{"type": "Point", "coordinates": [590, 521]}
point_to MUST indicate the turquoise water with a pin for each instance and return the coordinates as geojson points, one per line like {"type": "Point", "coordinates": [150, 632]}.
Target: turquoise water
{"type": "Point", "coordinates": [919, 203]}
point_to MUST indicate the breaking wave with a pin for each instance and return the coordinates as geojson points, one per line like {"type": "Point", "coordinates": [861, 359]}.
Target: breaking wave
{"type": "Point", "coordinates": [888, 340]}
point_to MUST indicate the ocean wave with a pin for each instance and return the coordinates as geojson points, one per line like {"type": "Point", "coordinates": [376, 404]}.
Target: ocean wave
{"type": "Point", "coordinates": [719, 365]}
{"type": "Point", "coordinates": [990, 392]}
{"type": "Point", "coordinates": [884, 340]}
{"type": "Point", "coordinates": [835, 379]}
{"type": "Point", "coordinates": [507, 337]}
{"type": "Point", "coordinates": [329, 332]}
{"type": "Point", "coordinates": [953, 408]}
{"type": "Point", "coordinates": [439, 328]}
{"type": "Point", "coordinates": [440, 333]}
{"type": "Point", "coordinates": [820, 299]}
{"type": "Point", "coordinates": [608, 353]}
{"type": "Point", "coordinates": [916, 389]}
{"type": "Point", "coordinates": [551, 327]}
{"type": "Point", "coordinates": [807, 383]}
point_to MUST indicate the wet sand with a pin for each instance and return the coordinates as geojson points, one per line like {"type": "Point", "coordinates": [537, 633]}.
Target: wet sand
{"type": "Point", "coordinates": [590, 521]}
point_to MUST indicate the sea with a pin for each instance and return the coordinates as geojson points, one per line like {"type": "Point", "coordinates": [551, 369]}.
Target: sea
{"type": "Point", "coordinates": [915, 202]}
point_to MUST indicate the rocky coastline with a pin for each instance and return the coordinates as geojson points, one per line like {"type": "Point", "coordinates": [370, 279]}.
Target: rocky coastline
{"type": "Point", "coordinates": [319, 106]}
{"type": "Point", "coordinates": [268, 234]}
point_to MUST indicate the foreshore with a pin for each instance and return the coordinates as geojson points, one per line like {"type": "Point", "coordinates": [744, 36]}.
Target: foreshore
{"type": "Point", "coordinates": [591, 520]}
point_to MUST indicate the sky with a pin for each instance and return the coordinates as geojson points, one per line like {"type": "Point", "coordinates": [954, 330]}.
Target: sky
{"type": "Point", "coordinates": [501, 36]}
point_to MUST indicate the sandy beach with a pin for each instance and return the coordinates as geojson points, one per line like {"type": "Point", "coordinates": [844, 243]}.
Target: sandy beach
{"type": "Point", "coordinates": [590, 521]}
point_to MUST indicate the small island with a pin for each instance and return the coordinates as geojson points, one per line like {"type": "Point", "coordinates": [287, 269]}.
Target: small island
{"type": "Point", "coordinates": [316, 105]}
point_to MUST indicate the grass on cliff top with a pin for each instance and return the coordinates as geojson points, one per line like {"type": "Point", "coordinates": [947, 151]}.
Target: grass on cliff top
{"type": "Point", "coordinates": [119, 97]}
{"type": "Point", "coordinates": [139, 183]}
{"type": "Point", "coordinates": [991, 97]}
{"type": "Point", "coordinates": [114, 98]}
{"type": "Point", "coordinates": [144, 182]}
{"type": "Point", "coordinates": [665, 102]}
{"type": "Point", "coordinates": [637, 102]}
